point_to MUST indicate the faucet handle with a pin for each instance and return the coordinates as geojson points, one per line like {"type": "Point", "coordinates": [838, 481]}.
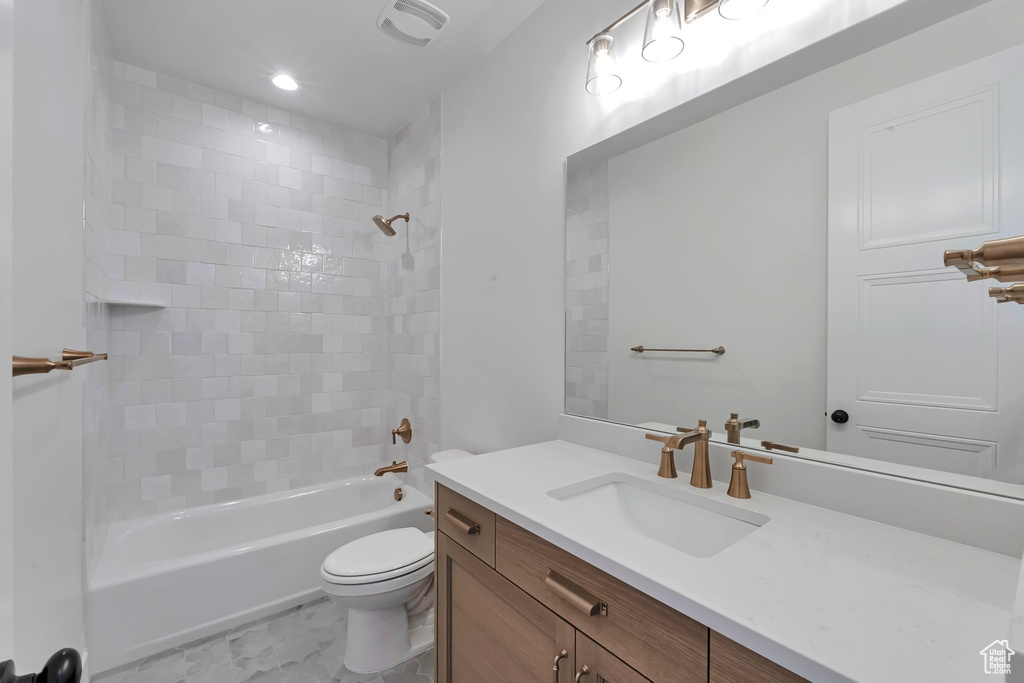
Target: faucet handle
{"type": "Point", "coordinates": [738, 486]}
{"type": "Point", "coordinates": [658, 437]}
{"type": "Point", "coordinates": [702, 426]}
{"type": "Point", "coordinates": [741, 456]}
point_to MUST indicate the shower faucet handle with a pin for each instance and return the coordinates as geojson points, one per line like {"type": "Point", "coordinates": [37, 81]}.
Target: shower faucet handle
{"type": "Point", "coordinates": [404, 430]}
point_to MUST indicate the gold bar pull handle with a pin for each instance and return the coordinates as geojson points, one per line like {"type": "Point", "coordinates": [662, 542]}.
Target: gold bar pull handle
{"type": "Point", "coordinates": [772, 446]}
{"type": "Point", "coordinates": [462, 522]}
{"type": "Point", "coordinates": [576, 595]}
{"type": "Point", "coordinates": [554, 667]}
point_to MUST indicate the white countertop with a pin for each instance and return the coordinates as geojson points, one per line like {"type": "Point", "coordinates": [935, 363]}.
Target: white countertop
{"type": "Point", "coordinates": [829, 596]}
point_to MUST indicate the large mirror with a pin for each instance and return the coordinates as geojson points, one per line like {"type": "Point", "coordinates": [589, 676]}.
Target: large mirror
{"type": "Point", "coordinates": [802, 233]}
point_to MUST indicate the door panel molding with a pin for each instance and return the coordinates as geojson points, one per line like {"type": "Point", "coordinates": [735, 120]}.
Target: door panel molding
{"type": "Point", "coordinates": [973, 457]}
{"type": "Point", "coordinates": [964, 319]}
{"type": "Point", "coordinates": [969, 125]}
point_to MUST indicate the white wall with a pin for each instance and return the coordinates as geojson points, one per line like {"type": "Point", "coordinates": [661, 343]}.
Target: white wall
{"type": "Point", "coordinates": [509, 126]}
{"type": "Point", "coordinates": [6, 284]}
{"type": "Point", "coordinates": [717, 237]}
{"type": "Point", "coordinates": [47, 271]}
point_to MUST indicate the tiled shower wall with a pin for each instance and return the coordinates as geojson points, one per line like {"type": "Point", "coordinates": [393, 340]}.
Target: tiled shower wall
{"type": "Point", "coordinates": [414, 276]}
{"type": "Point", "coordinates": [268, 368]}
{"type": "Point", "coordinates": [586, 314]}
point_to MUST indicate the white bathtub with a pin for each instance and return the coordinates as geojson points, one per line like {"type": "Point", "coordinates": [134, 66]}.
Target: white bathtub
{"type": "Point", "coordinates": [167, 580]}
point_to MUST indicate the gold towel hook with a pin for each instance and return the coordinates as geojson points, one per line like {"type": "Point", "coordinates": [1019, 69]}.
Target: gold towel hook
{"type": "Point", "coordinates": [70, 359]}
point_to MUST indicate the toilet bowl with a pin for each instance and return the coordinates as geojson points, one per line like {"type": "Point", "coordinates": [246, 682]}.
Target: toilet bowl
{"type": "Point", "coordinates": [385, 581]}
{"type": "Point", "coordinates": [381, 579]}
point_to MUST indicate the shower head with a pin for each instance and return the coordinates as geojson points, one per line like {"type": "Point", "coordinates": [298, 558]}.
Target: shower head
{"type": "Point", "coordinates": [385, 223]}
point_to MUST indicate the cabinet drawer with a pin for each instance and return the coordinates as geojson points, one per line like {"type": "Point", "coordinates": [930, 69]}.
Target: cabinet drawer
{"type": "Point", "coordinates": [733, 663]}
{"type": "Point", "coordinates": [602, 665]}
{"type": "Point", "coordinates": [468, 524]}
{"type": "Point", "coordinates": [657, 641]}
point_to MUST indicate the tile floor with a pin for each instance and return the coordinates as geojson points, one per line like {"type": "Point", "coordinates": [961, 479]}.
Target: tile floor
{"type": "Point", "coordinates": [302, 645]}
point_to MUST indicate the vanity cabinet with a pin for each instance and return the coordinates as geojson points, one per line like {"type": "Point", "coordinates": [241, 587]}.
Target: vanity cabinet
{"type": "Point", "coordinates": [509, 603]}
{"type": "Point", "coordinates": [490, 630]}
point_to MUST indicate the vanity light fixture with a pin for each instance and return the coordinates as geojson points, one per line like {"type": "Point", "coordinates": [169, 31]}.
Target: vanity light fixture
{"type": "Point", "coordinates": [663, 35]}
{"type": "Point", "coordinates": [284, 81]}
{"type": "Point", "coordinates": [602, 71]}
{"type": "Point", "coordinates": [740, 9]}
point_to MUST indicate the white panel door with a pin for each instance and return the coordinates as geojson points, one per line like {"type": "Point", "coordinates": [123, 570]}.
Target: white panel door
{"type": "Point", "coordinates": [927, 367]}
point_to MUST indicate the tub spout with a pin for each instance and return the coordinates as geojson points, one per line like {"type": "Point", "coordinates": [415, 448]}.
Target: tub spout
{"type": "Point", "coordinates": [393, 467]}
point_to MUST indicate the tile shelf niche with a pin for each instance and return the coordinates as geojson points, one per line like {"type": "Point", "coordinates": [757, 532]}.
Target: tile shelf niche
{"type": "Point", "coordinates": [136, 303]}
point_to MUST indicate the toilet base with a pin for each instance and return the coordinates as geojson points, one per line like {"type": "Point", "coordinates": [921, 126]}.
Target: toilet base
{"type": "Point", "coordinates": [377, 640]}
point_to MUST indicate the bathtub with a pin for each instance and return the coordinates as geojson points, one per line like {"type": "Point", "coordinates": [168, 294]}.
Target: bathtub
{"type": "Point", "coordinates": [164, 581]}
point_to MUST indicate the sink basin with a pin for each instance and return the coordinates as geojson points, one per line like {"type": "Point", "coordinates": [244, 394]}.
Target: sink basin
{"type": "Point", "coordinates": [690, 523]}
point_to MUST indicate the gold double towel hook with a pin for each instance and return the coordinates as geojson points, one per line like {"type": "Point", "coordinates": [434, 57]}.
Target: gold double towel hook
{"type": "Point", "coordinates": [70, 359]}
{"type": "Point", "coordinates": [1005, 261]}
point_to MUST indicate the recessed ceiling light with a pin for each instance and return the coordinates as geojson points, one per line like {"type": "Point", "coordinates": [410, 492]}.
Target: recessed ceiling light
{"type": "Point", "coordinates": [284, 81]}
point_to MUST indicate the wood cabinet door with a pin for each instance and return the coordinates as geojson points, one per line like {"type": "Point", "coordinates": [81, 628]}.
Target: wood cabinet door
{"type": "Point", "coordinates": [594, 664]}
{"type": "Point", "coordinates": [490, 630]}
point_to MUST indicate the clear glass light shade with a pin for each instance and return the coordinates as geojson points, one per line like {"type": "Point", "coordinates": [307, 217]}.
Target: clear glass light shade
{"type": "Point", "coordinates": [663, 37]}
{"type": "Point", "coordinates": [740, 9]}
{"type": "Point", "coordinates": [603, 71]}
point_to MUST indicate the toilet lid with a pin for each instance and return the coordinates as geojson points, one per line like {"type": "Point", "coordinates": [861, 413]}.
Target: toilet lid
{"type": "Point", "coordinates": [383, 552]}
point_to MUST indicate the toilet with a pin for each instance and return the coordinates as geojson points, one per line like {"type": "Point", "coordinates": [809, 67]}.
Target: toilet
{"type": "Point", "coordinates": [386, 582]}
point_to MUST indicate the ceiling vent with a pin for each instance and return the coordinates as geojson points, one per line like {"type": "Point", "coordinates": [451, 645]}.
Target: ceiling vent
{"type": "Point", "coordinates": [415, 22]}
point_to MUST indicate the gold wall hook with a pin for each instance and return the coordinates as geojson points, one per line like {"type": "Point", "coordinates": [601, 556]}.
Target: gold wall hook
{"type": "Point", "coordinates": [70, 359]}
{"type": "Point", "coordinates": [24, 365]}
{"type": "Point", "coordinates": [1004, 252]}
{"type": "Point", "coordinates": [1004, 295]}
{"type": "Point", "coordinates": [738, 486]}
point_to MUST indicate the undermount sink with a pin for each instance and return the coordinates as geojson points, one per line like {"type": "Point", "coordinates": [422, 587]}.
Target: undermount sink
{"type": "Point", "coordinates": [692, 524]}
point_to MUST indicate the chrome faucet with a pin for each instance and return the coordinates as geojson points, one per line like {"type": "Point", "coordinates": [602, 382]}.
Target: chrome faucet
{"type": "Point", "coordinates": [735, 425]}
{"type": "Point", "coordinates": [700, 475]}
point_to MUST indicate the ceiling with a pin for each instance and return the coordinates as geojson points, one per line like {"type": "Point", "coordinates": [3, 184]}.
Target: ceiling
{"type": "Point", "coordinates": [352, 74]}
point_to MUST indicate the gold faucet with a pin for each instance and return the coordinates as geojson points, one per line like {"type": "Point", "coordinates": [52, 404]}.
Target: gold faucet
{"type": "Point", "coordinates": [700, 475]}
{"type": "Point", "coordinates": [738, 487]}
{"type": "Point", "coordinates": [393, 467]}
{"type": "Point", "coordinates": [735, 424]}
